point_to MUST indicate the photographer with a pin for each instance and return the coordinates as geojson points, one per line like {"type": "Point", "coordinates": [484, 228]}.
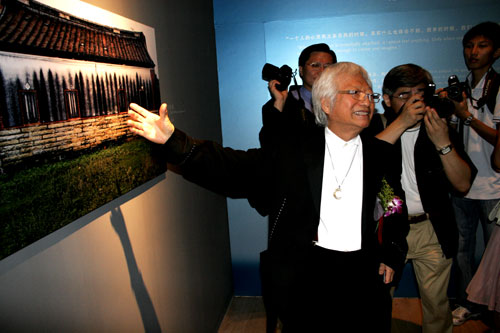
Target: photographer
{"type": "Point", "coordinates": [477, 115]}
{"type": "Point", "coordinates": [296, 111]}
{"type": "Point", "coordinates": [431, 167]}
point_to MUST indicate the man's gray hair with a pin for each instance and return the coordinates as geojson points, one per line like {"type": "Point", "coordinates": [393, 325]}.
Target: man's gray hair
{"type": "Point", "coordinates": [326, 86]}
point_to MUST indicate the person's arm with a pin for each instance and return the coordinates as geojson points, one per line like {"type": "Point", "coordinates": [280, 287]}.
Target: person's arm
{"type": "Point", "coordinates": [279, 97]}
{"type": "Point", "coordinates": [456, 169]}
{"type": "Point", "coordinates": [412, 112]}
{"type": "Point", "coordinates": [282, 118]}
{"type": "Point", "coordinates": [495, 156]}
{"type": "Point", "coordinates": [225, 171]}
{"type": "Point", "coordinates": [484, 131]}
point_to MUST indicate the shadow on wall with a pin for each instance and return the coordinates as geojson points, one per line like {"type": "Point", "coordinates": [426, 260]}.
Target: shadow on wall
{"type": "Point", "coordinates": [146, 308]}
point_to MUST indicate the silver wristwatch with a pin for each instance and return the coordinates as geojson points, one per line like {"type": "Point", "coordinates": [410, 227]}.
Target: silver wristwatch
{"type": "Point", "coordinates": [468, 120]}
{"type": "Point", "coordinates": [446, 149]}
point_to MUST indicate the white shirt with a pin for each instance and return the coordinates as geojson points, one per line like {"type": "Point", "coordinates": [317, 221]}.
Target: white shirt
{"type": "Point", "coordinates": [486, 185]}
{"type": "Point", "coordinates": [340, 219]}
{"type": "Point", "coordinates": [408, 175]}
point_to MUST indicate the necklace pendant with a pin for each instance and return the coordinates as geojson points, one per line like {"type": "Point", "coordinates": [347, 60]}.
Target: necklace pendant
{"type": "Point", "coordinates": [337, 194]}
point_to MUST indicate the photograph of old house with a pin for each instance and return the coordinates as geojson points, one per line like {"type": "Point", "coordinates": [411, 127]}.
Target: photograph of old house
{"type": "Point", "coordinates": [65, 86]}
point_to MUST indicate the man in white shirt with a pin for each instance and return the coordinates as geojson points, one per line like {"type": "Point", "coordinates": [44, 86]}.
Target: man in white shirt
{"type": "Point", "coordinates": [478, 117]}
{"type": "Point", "coordinates": [432, 166]}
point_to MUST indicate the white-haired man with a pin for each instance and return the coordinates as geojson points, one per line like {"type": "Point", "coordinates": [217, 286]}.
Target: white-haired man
{"type": "Point", "coordinates": [319, 189]}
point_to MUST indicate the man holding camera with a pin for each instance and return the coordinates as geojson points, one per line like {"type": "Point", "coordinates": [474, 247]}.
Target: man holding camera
{"type": "Point", "coordinates": [477, 116]}
{"type": "Point", "coordinates": [297, 109]}
{"type": "Point", "coordinates": [431, 167]}
{"type": "Point", "coordinates": [312, 61]}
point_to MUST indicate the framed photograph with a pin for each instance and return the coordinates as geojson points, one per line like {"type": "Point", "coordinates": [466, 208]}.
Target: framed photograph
{"type": "Point", "coordinates": [68, 72]}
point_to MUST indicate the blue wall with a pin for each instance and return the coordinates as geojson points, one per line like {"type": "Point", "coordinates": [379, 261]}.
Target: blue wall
{"type": "Point", "coordinates": [378, 34]}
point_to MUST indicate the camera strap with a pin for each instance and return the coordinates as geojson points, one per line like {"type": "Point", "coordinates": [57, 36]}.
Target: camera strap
{"type": "Point", "coordinates": [295, 81]}
{"type": "Point", "coordinates": [490, 90]}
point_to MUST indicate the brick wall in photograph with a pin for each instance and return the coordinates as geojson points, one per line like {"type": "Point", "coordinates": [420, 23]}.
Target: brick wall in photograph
{"type": "Point", "coordinates": [26, 143]}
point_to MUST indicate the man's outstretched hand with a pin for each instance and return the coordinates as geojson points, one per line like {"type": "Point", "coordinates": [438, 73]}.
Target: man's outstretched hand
{"type": "Point", "coordinates": [155, 128]}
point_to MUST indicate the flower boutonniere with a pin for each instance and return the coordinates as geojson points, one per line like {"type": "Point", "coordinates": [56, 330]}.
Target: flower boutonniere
{"type": "Point", "coordinates": [390, 202]}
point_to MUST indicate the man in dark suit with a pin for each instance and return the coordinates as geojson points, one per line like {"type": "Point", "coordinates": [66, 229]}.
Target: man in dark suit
{"type": "Point", "coordinates": [319, 188]}
{"type": "Point", "coordinates": [296, 102]}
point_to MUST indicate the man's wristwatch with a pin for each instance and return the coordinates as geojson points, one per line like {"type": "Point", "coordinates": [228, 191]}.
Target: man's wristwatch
{"type": "Point", "coordinates": [468, 120]}
{"type": "Point", "coordinates": [446, 149]}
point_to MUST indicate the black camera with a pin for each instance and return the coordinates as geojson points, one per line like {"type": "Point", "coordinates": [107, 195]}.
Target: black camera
{"type": "Point", "coordinates": [455, 88]}
{"type": "Point", "coordinates": [443, 106]}
{"type": "Point", "coordinates": [283, 75]}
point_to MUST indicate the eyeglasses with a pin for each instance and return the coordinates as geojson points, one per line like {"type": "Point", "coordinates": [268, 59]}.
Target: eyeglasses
{"type": "Point", "coordinates": [360, 96]}
{"type": "Point", "coordinates": [405, 95]}
{"type": "Point", "coordinates": [318, 65]}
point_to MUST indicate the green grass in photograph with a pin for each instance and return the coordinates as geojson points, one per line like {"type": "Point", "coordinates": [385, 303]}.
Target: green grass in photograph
{"type": "Point", "coordinates": [37, 201]}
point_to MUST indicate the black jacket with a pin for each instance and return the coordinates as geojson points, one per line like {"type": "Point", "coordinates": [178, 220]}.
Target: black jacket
{"type": "Point", "coordinates": [284, 181]}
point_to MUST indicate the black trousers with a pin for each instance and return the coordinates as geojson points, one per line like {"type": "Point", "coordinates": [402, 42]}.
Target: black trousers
{"type": "Point", "coordinates": [330, 291]}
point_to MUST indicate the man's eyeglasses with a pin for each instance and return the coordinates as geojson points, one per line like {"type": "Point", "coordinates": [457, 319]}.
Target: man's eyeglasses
{"type": "Point", "coordinates": [318, 65]}
{"type": "Point", "coordinates": [404, 96]}
{"type": "Point", "coordinates": [360, 96]}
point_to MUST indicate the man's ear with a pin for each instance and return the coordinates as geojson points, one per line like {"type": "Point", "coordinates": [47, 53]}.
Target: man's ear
{"type": "Point", "coordinates": [387, 100]}
{"type": "Point", "coordinates": [496, 54]}
{"type": "Point", "coordinates": [301, 69]}
{"type": "Point", "coordinates": [326, 105]}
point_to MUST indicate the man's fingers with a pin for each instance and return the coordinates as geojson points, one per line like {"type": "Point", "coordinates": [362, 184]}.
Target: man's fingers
{"type": "Point", "coordinates": [138, 109]}
{"type": "Point", "coordinates": [134, 129]}
{"type": "Point", "coordinates": [163, 112]}
{"type": "Point", "coordinates": [134, 125]}
{"type": "Point", "coordinates": [134, 115]}
{"type": "Point", "coordinates": [389, 276]}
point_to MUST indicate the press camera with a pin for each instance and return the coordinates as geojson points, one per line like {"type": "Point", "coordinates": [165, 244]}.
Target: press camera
{"type": "Point", "coordinates": [455, 88]}
{"type": "Point", "coordinates": [445, 106]}
{"type": "Point", "coordinates": [283, 75]}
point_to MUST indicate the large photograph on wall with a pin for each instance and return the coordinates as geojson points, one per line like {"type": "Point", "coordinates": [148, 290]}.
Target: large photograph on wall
{"type": "Point", "coordinates": [68, 72]}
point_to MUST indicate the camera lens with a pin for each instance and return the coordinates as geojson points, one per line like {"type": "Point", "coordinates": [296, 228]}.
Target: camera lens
{"type": "Point", "coordinates": [454, 92]}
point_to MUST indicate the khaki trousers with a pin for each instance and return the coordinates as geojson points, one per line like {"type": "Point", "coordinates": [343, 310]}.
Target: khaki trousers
{"type": "Point", "coordinates": [432, 271]}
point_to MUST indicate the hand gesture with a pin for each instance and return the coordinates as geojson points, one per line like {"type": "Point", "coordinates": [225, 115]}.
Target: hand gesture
{"type": "Point", "coordinates": [412, 111]}
{"type": "Point", "coordinates": [437, 128]}
{"type": "Point", "coordinates": [279, 96]}
{"type": "Point", "coordinates": [461, 108]}
{"type": "Point", "coordinates": [155, 128]}
{"type": "Point", "coordinates": [409, 115]}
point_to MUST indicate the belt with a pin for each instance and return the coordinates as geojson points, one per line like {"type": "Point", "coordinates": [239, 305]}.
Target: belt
{"type": "Point", "coordinates": [418, 218]}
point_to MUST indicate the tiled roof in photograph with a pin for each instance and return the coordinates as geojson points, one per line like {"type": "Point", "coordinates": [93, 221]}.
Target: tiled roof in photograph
{"type": "Point", "coordinates": [33, 28]}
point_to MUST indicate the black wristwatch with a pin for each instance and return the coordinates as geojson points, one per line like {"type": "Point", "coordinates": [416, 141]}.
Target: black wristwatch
{"type": "Point", "coordinates": [446, 149]}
